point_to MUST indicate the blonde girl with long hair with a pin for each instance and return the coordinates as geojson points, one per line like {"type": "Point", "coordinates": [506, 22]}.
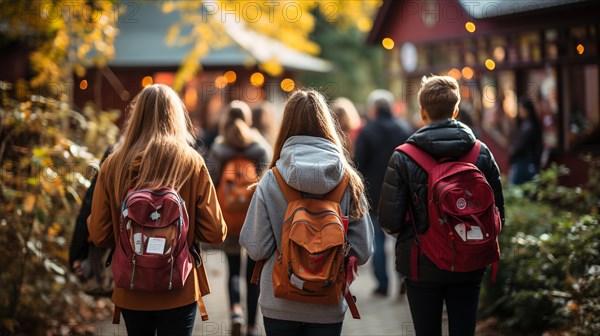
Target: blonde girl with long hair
{"type": "Point", "coordinates": [157, 151]}
{"type": "Point", "coordinates": [310, 156]}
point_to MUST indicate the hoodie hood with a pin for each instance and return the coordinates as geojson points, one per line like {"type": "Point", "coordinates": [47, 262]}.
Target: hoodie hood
{"type": "Point", "coordinates": [223, 151]}
{"type": "Point", "coordinates": [311, 165]}
{"type": "Point", "coordinates": [444, 138]}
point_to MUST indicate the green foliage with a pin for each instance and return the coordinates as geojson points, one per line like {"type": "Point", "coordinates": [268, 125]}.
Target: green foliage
{"type": "Point", "coordinates": [549, 277]}
{"type": "Point", "coordinates": [44, 172]}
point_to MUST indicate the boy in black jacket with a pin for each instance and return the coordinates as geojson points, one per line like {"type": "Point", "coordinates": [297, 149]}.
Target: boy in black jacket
{"type": "Point", "coordinates": [405, 185]}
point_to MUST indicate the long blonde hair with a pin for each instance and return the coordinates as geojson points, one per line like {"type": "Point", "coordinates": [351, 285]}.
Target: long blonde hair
{"type": "Point", "coordinates": [306, 113]}
{"type": "Point", "coordinates": [156, 149]}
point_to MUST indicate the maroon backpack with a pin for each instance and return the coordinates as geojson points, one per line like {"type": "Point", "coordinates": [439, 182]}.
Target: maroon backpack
{"type": "Point", "coordinates": [152, 251]}
{"type": "Point", "coordinates": [463, 218]}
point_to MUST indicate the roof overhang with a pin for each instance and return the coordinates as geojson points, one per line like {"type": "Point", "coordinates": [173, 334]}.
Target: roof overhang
{"type": "Point", "coordinates": [142, 43]}
{"type": "Point", "coordinates": [403, 20]}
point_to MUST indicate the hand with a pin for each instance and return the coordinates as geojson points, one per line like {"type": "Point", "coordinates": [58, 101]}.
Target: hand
{"type": "Point", "coordinates": [77, 268]}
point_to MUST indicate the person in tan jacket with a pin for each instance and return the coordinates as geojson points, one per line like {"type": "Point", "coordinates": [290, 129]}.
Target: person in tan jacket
{"type": "Point", "coordinates": [156, 151]}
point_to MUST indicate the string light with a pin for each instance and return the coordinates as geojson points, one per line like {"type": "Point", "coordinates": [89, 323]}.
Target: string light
{"type": "Point", "coordinates": [455, 73]}
{"type": "Point", "coordinates": [257, 79]}
{"type": "Point", "coordinates": [470, 27]}
{"type": "Point", "coordinates": [288, 85]}
{"type": "Point", "coordinates": [230, 76]}
{"type": "Point", "coordinates": [220, 82]}
{"type": "Point", "coordinates": [467, 72]}
{"type": "Point", "coordinates": [147, 81]}
{"type": "Point", "coordinates": [387, 43]}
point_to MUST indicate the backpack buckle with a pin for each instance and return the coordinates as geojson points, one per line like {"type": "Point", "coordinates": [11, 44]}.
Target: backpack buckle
{"type": "Point", "coordinates": [348, 248]}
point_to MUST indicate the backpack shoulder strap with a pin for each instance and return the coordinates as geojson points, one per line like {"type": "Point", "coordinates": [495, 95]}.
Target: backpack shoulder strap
{"type": "Point", "coordinates": [472, 155]}
{"type": "Point", "coordinates": [426, 161]}
{"type": "Point", "coordinates": [338, 192]}
{"type": "Point", "coordinates": [290, 193]}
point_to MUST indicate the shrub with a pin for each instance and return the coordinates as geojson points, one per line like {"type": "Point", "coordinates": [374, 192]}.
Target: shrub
{"type": "Point", "coordinates": [44, 172]}
{"type": "Point", "coordinates": [549, 277]}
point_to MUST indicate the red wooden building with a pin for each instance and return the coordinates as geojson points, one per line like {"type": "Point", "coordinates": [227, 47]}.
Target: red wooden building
{"type": "Point", "coordinates": [499, 51]}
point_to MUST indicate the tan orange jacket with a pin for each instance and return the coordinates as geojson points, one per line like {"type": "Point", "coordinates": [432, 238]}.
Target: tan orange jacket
{"type": "Point", "coordinates": [206, 225]}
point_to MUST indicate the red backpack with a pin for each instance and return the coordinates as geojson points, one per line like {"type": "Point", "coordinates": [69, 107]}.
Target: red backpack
{"type": "Point", "coordinates": [152, 251]}
{"type": "Point", "coordinates": [464, 222]}
{"type": "Point", "coordinates": [234, 192]}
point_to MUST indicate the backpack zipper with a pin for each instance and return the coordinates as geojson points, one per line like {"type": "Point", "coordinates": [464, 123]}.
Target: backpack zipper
{"type": "Point", "coordinates": [171, 275]}
{"type": "Point", "coordinates": [304, 221]}
{"type": "Point", "coordinates": [317, 214]}
{"type": "Point", "coordinates": [132, 272]}
{"type": "Point", "coordinates": [452, 248]}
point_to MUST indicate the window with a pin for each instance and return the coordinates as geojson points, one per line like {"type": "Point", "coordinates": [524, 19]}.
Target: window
{"type": "Point", "coordinates": [581, 103]}
{"type": "Point", "coordinates": [498, 105]}
{"type": "Point", "coordinates": [541, 90]}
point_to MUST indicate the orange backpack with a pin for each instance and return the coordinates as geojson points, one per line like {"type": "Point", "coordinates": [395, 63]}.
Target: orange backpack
{"type": "Point", "coordinates": [312, 265]}
{"type": "Point", "coordinates": [234, 192]}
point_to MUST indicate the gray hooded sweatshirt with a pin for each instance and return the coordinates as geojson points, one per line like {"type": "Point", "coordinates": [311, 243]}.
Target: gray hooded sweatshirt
{"type": "Point", "coordinates": [313, 166]}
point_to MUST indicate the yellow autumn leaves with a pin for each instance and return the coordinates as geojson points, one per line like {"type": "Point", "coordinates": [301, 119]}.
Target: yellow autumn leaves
{"type": "Point", "coordinates": [78, 34]}
{"type": "Point", "coordinates": [71, 35]}
{"type": "Point", "coordinates": [290, 22]}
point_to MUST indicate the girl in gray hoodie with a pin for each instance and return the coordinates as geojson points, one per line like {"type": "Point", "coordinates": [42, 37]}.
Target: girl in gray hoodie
{"type": "Point", "coordinates": [311, 159]}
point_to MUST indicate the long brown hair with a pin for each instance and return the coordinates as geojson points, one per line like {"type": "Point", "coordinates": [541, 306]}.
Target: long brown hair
{"type": "Point", "coordinates": [235, 125]}
{"type": "Point", "coordinates": [156, 149]}
{"type": "Point", "coordinates": [306, 113]}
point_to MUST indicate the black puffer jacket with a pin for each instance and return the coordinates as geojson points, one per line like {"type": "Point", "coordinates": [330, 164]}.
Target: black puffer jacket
{"type": "Point", "coordinates": [375, 144]}
{"type": "Point", "coordinates": [405, 182]}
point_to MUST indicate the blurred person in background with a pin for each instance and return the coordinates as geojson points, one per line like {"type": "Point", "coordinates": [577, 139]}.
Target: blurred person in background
{"type": "Point", "coordinates": [526, 150]}
{"type": "Point", "coordinates": [263, 121]}
{"type": "Point", "coordinates": [238, 140]}
{"type": "Point", "coordinates": [349, 120]}
{"type": "Point", "coordinates": [374, 147]}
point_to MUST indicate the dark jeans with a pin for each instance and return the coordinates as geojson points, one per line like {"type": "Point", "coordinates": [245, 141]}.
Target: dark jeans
{"type": "Point", "coordinates": [426, 302]}
{"type": "Point", "coordinates": [234, 261]}
{"type": "Point", "coordinates": [379, 257]}
{"type": "Point", "coordinates": [523, 170]}
{"type": "Point", "coordinates": [176, 321]}
{"type": "Point", "coordinates": [274, 327]}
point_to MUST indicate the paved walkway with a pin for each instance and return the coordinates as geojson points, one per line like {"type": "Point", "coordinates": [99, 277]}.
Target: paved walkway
{"type": "Point", "coordinates": [380, 316]}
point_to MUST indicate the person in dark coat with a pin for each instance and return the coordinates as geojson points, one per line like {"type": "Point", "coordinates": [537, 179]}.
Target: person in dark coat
{"type": "Point", "coordinates": [526, 150]}
{"type": "Point", "coordinates": [374, 145]}
{"type": "Point", "coordinates": [405, 186]}
{"type": "Point", "coordinates": [78, 250]}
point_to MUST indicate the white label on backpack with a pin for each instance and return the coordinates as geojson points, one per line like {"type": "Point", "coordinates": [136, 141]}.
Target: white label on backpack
{"type": "Point", "coordinates": [296, 282]}
{"type": "Point", "coordinates": [156, 245]}
{"type": "Point", "coordinates": [461, 230]}
{"type": "Point", "coordinates": [475, 233]}
{"type": "Point", "coordinates": [137, 240]}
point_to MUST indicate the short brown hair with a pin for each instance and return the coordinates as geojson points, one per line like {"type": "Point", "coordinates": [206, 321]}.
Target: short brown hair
{"type": "Point", "coordinates": [439, 96]}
